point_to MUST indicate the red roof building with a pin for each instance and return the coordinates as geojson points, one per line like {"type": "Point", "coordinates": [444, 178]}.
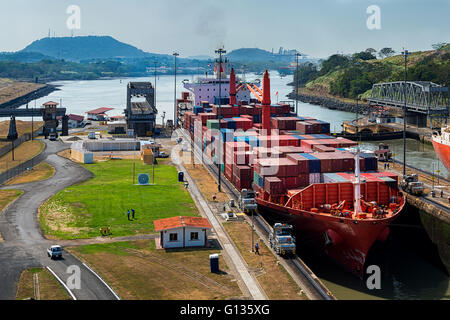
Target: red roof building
{"type": "Point", "coordinates": [50, 103]}
{"type": "Point", "coordinates": [181, 231]}
{"type": "Point", "coordinates": [99, 110]}
{"type": "Point", "coordinates": [98, 114]}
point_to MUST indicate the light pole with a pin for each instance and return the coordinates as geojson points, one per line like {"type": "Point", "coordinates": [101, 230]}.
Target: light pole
{"type": "Point", "coordinates": [32, 118]}
{"type": "Point", "coordinates": [296, 83]}
{"type": "Point", "coordinates": [175, 120]}
{"type": "Point", "coordinates": [220, 52]}
{"type": "Point", "coordinates": [405, 54]}
{"type": "Point", "coordinates": [154, 86]}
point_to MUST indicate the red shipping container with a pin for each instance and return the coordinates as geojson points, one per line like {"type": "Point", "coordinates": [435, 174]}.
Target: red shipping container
{"type": "Point", "coordinates": [326, 160]}
{"type": "Point", "coordinates": [322, 148]}
{"type": "Point", "coordinates": [303, 180]}
{"type": "Point", "coordinates": [291, 182]}
{"type": "Point", "coordinates": [273, 185]}
{"type": "Point", "coordinates": [301, 162]}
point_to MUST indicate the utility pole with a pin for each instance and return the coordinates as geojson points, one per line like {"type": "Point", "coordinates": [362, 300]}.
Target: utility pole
{"type": "Point", "coordinates": [405, 54]}
{"type": "Point", "coordinates": [32, 119]}
{"type": "Point", "coordinates": [220, 52]}
{"type": "Point", "coordinates": [154, 86]}
{"type": "Point", "coordinates": [296, 84]}
{"type": "Point", "coordinates": [163, 116]}
{"type": "Point", "coordinates": [134, 156]}
{"type": "Point", "coordinates": [175, 120]}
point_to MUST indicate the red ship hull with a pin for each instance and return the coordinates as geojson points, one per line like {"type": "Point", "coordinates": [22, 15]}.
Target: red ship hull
{"type": "Point", "coordinates": [350, 242]}
{"type": "Point", "coordinates": [443, 152]}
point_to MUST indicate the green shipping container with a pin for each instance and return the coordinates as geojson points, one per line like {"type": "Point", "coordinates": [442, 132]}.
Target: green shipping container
{"type": "Point", "coordinates": [213, 124]}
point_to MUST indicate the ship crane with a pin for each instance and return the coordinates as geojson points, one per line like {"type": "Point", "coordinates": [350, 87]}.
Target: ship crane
{"type": "Point", "coordinates": [256, 91]}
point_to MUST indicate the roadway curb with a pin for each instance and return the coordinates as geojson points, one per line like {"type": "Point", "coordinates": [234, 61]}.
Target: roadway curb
{"type": "Point", "coordinates": [112, 291]}
{"type": "Point", "coordinates": [63, 284]}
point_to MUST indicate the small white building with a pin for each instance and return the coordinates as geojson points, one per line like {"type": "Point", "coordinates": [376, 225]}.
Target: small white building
{"type": "Point", "coordinates": [182, 232]}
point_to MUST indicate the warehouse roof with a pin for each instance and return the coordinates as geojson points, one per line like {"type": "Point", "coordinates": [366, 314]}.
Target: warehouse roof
{"type": "Point", "coordinates": [99, 110]}
{"type": "Point", "coordinates": [177, 222]}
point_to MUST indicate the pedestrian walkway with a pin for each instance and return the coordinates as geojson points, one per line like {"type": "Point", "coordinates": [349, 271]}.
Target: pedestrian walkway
{"type": "Point", "coordinates": [239, 264]}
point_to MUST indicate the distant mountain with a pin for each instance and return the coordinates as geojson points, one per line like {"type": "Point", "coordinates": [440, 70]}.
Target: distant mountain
{"type": "Point", "coordinates": [257, 55]}
{"type": "Point", "coordinates": [85, 48]}
{"type": "Point", "coordinates": [200, 57]}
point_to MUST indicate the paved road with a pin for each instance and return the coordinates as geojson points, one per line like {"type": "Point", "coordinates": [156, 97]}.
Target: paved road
{"type": "Point", "coordinates": [24, 245]}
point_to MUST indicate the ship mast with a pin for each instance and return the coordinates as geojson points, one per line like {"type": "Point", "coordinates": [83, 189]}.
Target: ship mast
{"type": "Point", "coordinates": [357, 184]}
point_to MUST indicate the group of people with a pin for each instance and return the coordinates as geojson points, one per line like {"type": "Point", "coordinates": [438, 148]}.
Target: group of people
{"type": "Point", "coordinates": [132, 214]}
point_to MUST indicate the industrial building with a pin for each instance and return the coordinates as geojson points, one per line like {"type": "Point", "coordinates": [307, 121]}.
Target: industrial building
{"type": "Point", "coordinates": [141, 115]}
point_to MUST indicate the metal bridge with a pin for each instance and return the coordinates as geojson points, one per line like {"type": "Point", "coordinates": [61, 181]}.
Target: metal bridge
{"type": "Point", "coordinates": [424, 97]}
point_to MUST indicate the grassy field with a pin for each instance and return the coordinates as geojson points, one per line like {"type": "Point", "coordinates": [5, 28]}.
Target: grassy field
{"type": "Point", "coordinates": [136, 270]}
{"type": "Point", "coordinates": [276, 282]}
{"type": "Point", "coordinates": [49, 287]}
{"type": "Point", "coordinates": [22, 153]}
{"type": "Point", "coordinates": [7, 196]}
{"type": "Point", "coordinates": [79, 211]}
{"type": "Point", "coordinates": [42, 171]}
{"type": "Point", "coordinates": [22, 127]}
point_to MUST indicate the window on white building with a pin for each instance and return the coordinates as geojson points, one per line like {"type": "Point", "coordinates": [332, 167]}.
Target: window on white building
{"type": "Point", "coordinates": [173, 237]}
{"type": "Point", "coordinates": [194, 235]}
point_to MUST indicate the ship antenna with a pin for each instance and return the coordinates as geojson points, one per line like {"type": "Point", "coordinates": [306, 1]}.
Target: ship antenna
{"type": "Point", "coordinates": [357, 184]}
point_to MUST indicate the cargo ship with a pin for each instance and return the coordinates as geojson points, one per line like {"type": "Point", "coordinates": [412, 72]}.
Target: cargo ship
{"type": "Point", "coordinates": [441, 144]}
{"type": "Point", "coordinates": [325, 186]}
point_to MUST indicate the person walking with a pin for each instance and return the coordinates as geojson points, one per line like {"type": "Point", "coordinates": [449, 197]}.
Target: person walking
{"type": "Point", "coordinates": [132, 214]}
{"type": "Point", "coordinates": [128, 214]}
{"type": "Point", "coordinates": [257, 248]}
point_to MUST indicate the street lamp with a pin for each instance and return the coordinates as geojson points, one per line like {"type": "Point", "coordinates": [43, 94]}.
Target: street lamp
{"type": "Point", "coordinates": [296, 84]}
{"type": "Point", "coordinates": [220, 52]}
{"type": "Point", "coordinates": [405, 54]}
{"type": "Point", "coordinates": [175, 120]}
{"type": "Point", "coordinates": [154, 86]}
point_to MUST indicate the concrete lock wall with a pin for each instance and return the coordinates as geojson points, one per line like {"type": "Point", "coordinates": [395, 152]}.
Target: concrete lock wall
{"type": "Point", "coordinates": [111, 145]}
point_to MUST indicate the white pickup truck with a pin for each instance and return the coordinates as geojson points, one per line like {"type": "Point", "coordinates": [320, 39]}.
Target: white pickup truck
{"type": "Point", "coordinates": [54, 252]}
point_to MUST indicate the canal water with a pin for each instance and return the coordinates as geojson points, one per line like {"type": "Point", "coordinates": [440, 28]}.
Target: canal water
{"type": "Point", "coordinates": [409, 263]}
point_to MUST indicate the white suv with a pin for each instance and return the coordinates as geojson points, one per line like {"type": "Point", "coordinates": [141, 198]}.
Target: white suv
{"type": "Point", "coordinates": [54, 252]}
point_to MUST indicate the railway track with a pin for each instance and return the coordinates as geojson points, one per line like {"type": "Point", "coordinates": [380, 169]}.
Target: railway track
{"type": "Point", "coordinates": [309, 281]}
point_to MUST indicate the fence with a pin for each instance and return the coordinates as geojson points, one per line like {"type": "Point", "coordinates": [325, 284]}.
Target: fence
{"type": "Point", "coordinates": [25, 137]}
{"type": "Point", "coordinates": [21, 168]}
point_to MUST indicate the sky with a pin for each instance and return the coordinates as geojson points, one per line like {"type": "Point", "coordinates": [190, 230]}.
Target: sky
{"type": "Point", "coordinates": [318, 28]}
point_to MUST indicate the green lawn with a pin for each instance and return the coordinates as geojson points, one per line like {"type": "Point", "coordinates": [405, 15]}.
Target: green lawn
{"type": "Point", "coordinates": [79, 211]}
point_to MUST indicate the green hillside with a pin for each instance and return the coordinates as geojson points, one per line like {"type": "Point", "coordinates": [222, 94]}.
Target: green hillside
{"type": "Point", "coordinates": [351, 76]}
{"type": "Point", "coordinates": [85, 48]}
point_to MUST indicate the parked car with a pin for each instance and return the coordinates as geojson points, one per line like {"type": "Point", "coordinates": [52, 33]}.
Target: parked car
{"type": "Point", "coordinates": [162, 154]}
{"type": "Point", "coordinates": [54, 251]}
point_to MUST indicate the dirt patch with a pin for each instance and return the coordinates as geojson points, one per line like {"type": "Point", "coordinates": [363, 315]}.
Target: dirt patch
{"type": "Point", "coordinates": [10, 90]}
{"type": "Point", "coordinates": [40, 172]}
{"type": "Point", "coordinates": [206, 183]}
{"type": "Point", "coordinates": [64, 154]}
{"type": "Point", "coordinates": [49, 287]}
{"type": "Point", "coordinates": [7, 197]}
{"type": "Point", "coordinates": [137, 271]}
{"type": "Point", "coordinates": [22, 153]}
{"type": "Point", "coordinates": [59, 217]}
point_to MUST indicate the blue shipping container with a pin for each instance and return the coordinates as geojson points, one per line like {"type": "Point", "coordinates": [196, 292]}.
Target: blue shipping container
{"type": "Point", "coordinates": [314, 163]}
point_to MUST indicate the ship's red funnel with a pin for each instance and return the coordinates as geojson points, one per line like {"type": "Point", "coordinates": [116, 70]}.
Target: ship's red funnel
{"type": "Point", "coordinates": [266, 104]}
{"type": "Point", "coordinates": [232, 88]}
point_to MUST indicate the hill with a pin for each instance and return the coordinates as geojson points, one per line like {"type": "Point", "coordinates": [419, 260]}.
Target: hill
{"type": "Point", "coordinates": [85, 48]}
{"type": "Point", "coordinates": [349, 76]}
{"type": "Point", "coordinates": [257, 55]}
